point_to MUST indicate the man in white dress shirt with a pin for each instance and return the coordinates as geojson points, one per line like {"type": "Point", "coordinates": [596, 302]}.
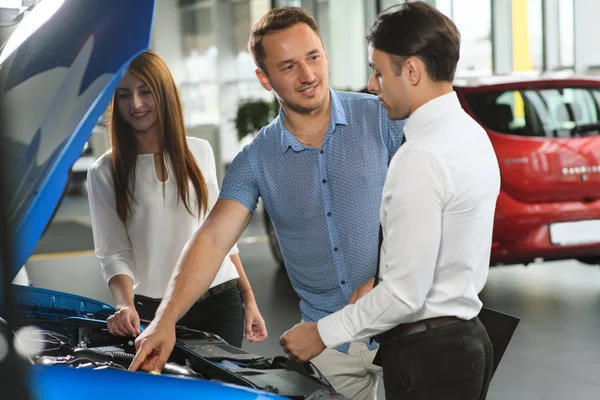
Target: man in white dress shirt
{"type": "Point", "coordinates": [437, 217]}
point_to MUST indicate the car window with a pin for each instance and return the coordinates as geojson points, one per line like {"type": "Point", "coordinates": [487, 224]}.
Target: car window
{"type": "Point", "coordinates": [561, 112]}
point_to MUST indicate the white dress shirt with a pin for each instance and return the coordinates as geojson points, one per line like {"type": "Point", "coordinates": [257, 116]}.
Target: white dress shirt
{"type": "Point", "coordinates": [148, 246]}
{"type": "Point", "coordinates": [437, 217]}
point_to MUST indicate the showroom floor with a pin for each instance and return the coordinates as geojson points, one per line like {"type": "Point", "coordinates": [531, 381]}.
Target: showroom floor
{"type": "Point", "coordinates": [554, 355]}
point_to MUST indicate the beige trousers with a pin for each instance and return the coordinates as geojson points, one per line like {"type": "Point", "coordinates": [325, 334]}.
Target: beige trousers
{"type": "Point", "coordinates": [352, 374]}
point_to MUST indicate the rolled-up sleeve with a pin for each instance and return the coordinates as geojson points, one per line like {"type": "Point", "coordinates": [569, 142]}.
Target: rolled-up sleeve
{"type": "Point", "coordinates": [239, 184]}
{"type": "Point", "coordinates": [111, 242]}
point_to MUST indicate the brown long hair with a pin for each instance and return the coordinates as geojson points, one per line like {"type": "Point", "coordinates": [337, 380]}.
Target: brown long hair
{"type": "Point", "coordinates": [151, 69]}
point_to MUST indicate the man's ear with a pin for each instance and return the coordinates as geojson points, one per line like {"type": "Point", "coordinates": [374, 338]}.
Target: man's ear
{"type": "Point", "coordinates": [414, 70]}
{"type": "Point", "coordinates": [263, 79]}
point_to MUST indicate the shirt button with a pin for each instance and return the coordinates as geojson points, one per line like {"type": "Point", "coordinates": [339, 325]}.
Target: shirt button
{"type": "Point", "coordinates": [324, 181]}
{"type": "Point", "coordinates": [343, 282]}
{"type": "Point", "coordinates": [329, 214]}
{"type": "Point", "coordinates": [322, 151]}
{"type": "Point", "coordinates": [335, 249]}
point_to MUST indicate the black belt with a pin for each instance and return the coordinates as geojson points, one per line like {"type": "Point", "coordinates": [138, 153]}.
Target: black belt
{"type": "Point", "coordinates": [213, 291]}
{"type": "Point", "coordinates": [210, 292]}
{"type": "Point", "coordinates": [403, 330]}
{"type": "Point", "coordinates": [411, 328]}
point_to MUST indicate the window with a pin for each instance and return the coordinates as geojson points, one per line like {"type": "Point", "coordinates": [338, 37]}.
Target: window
{"type": "Point", "coordinates": [474, 21]}
{"type": "Point", "coordinates": [199, 88]}
{"type": "Point", "coordinates": [385, 4]}
{"type": "Point", "coordinates": [283, 3]}
{"type": "Point", "coordinates": [566, 28]}
{"type": "Point", "coordinates": [196, 29]}
{"type": "Point", "coordinates": [246, 13]}
{"type": "Point", "coordinates": [562, 112]}
{"type": "Point", "coordinates": [343, 24]}
{"type": "Point", "coordinates": [535, 34]}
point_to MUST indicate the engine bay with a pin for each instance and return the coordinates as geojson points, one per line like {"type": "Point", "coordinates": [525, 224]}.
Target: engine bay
{"type": "Point", "coordinates": [84, 343]}
{"type": "Point", "coordinates": [91, 354]}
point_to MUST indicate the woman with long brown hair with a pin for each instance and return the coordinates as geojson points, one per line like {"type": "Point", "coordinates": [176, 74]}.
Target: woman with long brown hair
{"type": "Point", "coordinates": [148, 195]}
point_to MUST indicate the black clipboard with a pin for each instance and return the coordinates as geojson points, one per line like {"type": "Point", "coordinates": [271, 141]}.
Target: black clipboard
{"type": "Point", "coordinates": [500, 328]}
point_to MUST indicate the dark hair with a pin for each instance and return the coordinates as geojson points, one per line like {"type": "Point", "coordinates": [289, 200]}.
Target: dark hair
{"type": "Point", "coordinates": [153, 71]}
{"type": "Point", "coordinates": [275, 20]}
{"type": "Point", "coordinates": [418, 29]}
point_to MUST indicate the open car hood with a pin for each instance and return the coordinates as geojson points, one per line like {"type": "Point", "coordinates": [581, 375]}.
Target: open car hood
{"type": "Point", "coordinates": [58, 72]}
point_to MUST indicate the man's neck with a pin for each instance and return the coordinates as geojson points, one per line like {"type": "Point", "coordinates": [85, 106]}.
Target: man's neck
{"type": "Point", "coordinates": [433, 90]}
{"type": "Point", "coordinates": [304, 123]}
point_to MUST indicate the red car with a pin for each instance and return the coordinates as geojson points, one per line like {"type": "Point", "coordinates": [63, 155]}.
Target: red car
{"type": "Point", "coordinates": [546, 132]}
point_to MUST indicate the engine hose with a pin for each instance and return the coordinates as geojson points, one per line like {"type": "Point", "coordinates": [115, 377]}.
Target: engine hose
{"type": "Point", "coordinates": [122, 358]}
{"type": "Point", "coordinates": [118, 357]}
{"type": "Point", "coordinates": [125, 359]}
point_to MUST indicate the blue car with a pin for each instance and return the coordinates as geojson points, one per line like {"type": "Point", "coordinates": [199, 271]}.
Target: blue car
{"type": "Point", "coordinates": [58, 72]}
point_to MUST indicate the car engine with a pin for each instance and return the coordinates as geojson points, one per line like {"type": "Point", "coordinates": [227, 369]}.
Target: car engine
{"type": "Point", "coordinates": [93, 353]}
{"type": "Point", "coordinates": [84, 343]}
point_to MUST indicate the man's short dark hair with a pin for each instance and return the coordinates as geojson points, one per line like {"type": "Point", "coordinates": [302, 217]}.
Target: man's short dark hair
{"type": "Point", "coordinates": [276, 20]}
{"type": "Point", "coordinates": [418, 29]}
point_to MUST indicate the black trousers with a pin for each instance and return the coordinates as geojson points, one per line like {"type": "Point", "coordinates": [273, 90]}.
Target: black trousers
{"type": "Point", "coordinates": [452, 362]}
{"type": "Point", "coordinates": [221, 314]}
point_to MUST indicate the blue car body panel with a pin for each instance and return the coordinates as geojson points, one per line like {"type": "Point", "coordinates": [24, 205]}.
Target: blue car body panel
{"type": "Point", "coordinates": [56, 85]}
{"type": "Point", "coordinates": [66, 383]}
{"type": "Point", "coordinates": [38, 303]}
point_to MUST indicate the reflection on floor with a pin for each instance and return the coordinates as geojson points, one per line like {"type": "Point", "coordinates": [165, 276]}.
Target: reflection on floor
{"type": "Point", "coordinates": [554, 355]}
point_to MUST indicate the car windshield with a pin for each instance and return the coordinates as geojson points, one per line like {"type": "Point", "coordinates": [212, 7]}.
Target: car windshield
{"type": "Point", "coordinates": [553, 113]}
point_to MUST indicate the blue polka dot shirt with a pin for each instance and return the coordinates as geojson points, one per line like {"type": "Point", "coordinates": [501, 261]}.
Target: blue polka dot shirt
{"type": "Point", "coordinates": [324, 203]}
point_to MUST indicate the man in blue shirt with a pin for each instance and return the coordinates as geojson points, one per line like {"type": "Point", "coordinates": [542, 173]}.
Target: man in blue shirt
{"type": "Point", "coordinates": [319, 167]}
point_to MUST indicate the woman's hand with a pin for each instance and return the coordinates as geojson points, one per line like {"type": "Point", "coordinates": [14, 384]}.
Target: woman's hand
{"type": "Point", "coordinates": [255, 328]}
{"type": "Point", "coordinates": [125, 322]}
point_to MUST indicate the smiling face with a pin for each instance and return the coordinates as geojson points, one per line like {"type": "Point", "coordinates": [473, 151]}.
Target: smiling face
{"type": "Point", "coordinates": [136, 104]}
{"type": "Point", "coordinates": [296, 68]}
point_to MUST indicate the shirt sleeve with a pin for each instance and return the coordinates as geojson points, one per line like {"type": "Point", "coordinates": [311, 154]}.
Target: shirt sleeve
{"type": "Point", "coordinates": [412, 205]}
{"type": "Point", "coordinates": [240, 184]}
{"type": "Point", "coordinates": [213, 188]}
{"type": "Point", "coordinates": [111, 242]}
{"type": "Point", "coordinates": [392, 132]}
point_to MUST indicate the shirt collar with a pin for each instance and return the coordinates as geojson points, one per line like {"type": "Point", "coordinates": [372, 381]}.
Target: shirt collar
{"type": "Point", "coordinates": [337, 117]}
{"type": "Point", "coordinates": [429, 112]}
